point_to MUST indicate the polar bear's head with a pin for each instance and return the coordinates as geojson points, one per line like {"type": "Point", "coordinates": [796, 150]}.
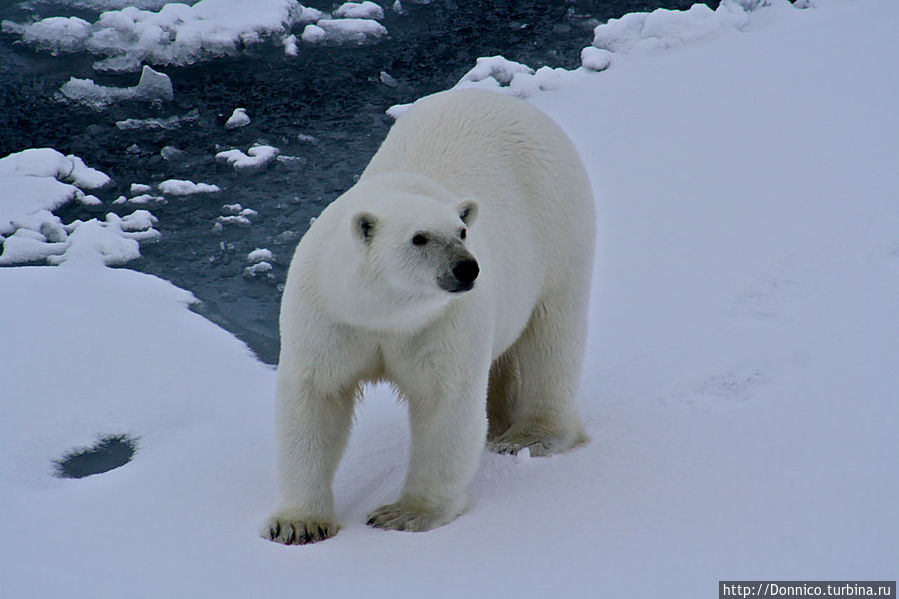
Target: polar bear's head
{"type": "Point", "coordinates": [416, 246]}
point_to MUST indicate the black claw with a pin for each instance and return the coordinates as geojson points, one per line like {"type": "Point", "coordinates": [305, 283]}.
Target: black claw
{"type": "Point", "coordinates": [275, 530]}
{"type": "Point", "coordinates": [322, 533]}
{"type": "Point", "coordinates": [371, 522]}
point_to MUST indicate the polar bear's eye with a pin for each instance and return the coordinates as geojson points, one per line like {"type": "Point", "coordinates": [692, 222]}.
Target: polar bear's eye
{"type": "Point", "coordinates": [463, 233]}
{"type": "Point", "coordinates": [419, 239]}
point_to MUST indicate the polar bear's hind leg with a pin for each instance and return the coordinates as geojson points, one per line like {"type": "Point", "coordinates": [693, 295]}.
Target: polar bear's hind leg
{"type": "Point", "coordinates": [549, 354]}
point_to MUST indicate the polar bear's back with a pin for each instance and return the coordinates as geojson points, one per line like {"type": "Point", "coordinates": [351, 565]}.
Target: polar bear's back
{"type": "Point", "coordinates": [510, 157]}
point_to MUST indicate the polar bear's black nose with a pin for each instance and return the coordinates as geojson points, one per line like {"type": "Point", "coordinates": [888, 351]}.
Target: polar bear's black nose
{"type": "Point", "coordinates": [466, 271]}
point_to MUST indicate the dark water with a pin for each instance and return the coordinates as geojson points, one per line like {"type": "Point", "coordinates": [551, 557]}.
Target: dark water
{"type": "Point", "coordinates": [333, 94]}
{"type": "Point", "coordinates": [108, 453]}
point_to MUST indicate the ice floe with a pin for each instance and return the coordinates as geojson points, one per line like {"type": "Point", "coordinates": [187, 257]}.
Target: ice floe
{"type": "Point", "coordinates": [342, 31]}
{"type": "Point", "coordinates": [257, 157]}
{"type": "Point", "coordinates": [169, 123]}
{"type": "Point", "coordinates": [152, 87]}
{"type": "Point", "coordinates": [359, 10]}
{"type": "Point", "coordinates": [260, 255]}
{"type": "Point", "coordinates": [176, 33]}
{"type": "Point", "coordinates": [238, 118]}
{"type": "Point", "coordinates": [180, 187]}
{"type": "Point", "coordinates": [54, 34]}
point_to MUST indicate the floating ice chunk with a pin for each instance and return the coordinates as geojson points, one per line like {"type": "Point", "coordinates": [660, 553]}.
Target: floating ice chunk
{"type": "Point", "coordinates": [256, 158]}
{"type": "Point", "coordinates": [179, 187]}
{"type": "Point", "coordinates": [232, 208]}
{"type": "Point", "coordinates": [307, 139]}
{"type": "Point", "coordinates": [663, 28]}
{"type": "Point", "coordinates": [388, 79]}
{"type": "Point", "coordinates": [172, 154]}
{"type": "Point", "coordinates": [139, 188]}
{"type": "Point", "coordinates": [341, 31]}
{"type": "Point", "coordinates": [313, 34]}
{"type": "Point", "coordinates": [359, 10]}
{"type": "Point", "coordinates": [498, 68]}
{"type": "Point", "coordinates": [237, 219]}
{"type": "Point", "coordinates": [260, 255]}
{"type": "Point", "coordinates": [172, 122]}
{"type": "Point", "coordinates": [256, 269]}
{"type": "Point", "coordinates": [140, 221]}
{"type": "Point", "coordinates": [238, 119]}
{"type": "Point", "coordinates": [55, 34]}
{"type": "Point", "coordinates": [595, 59]}
{"type": "Point", "coordinates": [153, 86]}
{"type": "Point", "coordinates": [142, 199]}
{"type": "Point", "coordinates": [290, 45]}
{"type": "Point", "coordinates": [89, 200]}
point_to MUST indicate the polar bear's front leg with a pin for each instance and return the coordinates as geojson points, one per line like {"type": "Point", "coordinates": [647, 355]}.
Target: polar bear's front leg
{"type": "Point", "coordinates": [313, 429]}
{"type": "Point", "coordinates": [448, 433]}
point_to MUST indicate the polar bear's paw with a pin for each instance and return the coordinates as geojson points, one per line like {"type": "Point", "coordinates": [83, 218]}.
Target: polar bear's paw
{"type": "Point", "coordinates": [409, 515]}
{"type": "Point", "coordinates": [539, 441]}
{"type": "Point", "coordinates": [292, 530]}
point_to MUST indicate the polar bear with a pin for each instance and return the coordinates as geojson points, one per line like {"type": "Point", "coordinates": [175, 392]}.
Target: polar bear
{"type": "Point", "coordinates": [458, 269]}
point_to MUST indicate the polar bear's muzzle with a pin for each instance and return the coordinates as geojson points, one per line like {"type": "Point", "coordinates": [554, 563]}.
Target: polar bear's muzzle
{"type": "Point", "coordinates": [462, 274]}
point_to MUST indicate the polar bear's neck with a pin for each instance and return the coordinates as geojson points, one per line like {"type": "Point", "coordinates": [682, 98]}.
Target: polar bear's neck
{"type": "Point", "coordinates": [360, 300]}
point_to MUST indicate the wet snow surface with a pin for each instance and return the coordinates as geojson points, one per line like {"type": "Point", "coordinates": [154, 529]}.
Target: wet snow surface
{"type": "Point", "coordinates": [279, 125]}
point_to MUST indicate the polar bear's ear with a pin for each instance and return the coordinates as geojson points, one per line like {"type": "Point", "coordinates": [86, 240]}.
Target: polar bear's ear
{"type": "Point", "coordinates": [467, 211]}
{"type": "Point", "coordinates": [364, 226]}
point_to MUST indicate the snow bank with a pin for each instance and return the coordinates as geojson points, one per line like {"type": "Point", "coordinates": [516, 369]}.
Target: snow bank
{"type": "Point", "coordinates": [176, 34]}
{"type": "Point", "coordinates": [664, 28]}
{"type": "Point", "coordinates": [152, 87]}
{"type": "Point", "coordinates": [179, 187]}
{"type": "Point", "coordinates": [257, 157]}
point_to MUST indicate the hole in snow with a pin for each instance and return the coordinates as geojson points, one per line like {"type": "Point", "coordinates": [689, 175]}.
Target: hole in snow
{"type": "Point", "coordinates": [108, 453]}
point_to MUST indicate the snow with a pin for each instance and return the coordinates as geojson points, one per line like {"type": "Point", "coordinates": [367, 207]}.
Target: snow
{"type": "Point", "coordinates": [256, 158]}
{"type": "Point", "coordinates": [152, 87]}
{"type": "Point", "coordinates": [739, 385]}
{"type": "Point", "coordinates": [180, 187]}
{"type": "Point", "coordinates": [237, 119]}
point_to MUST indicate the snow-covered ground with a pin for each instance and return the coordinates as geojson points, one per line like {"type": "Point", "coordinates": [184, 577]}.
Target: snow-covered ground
{"type": "Point", "coordinates": [740, 385]}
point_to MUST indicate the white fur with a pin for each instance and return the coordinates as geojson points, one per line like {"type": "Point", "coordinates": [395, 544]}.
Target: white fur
{"type": "Point", "coordinates": [362, 303]}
